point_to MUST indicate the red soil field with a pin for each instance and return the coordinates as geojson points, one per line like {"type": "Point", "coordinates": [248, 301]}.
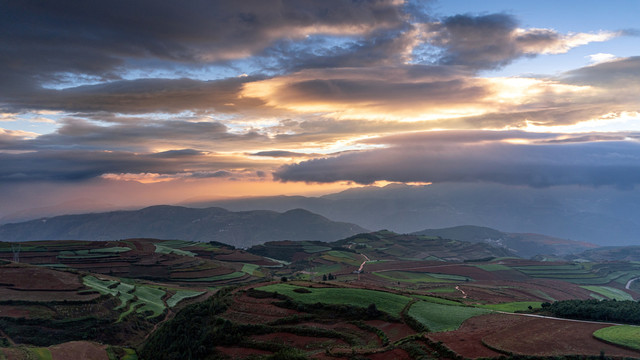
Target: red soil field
{"type": "Point", "coordinates": [47, 295]}
{"type": "Point", "coordinates": [250, 310]}
{"type": "Point", "coordinates": [304, 343]}
{"type": "Point", "coordinates": [397, 354]}
{"type": "Point", "coordinates": [548, 337]}
{"type": "Point", "coordinates": [13, 311]}
{"type": "Point", "coordinates": [239, 352]}
{"type": "Point", "coordinates": [79, 350]}
{"type": "Point", "coordinates": [467, 340]}
{"type": "Point", "coordinates": [394, 331]}
{"type": "Point", "coordinates": [35, 278]}
{"type": "Point", "coordinates": [527, 336]}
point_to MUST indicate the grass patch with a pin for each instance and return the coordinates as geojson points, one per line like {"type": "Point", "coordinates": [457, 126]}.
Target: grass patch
{"type": "Point", "coordinates": [625, 335]}
{"type": "Point", "coordinates": [492, 267]}
{"type": "Point", "coordinates": [440, 317]}
{"type": "Point", "coordinates": [164, 249]}
{"type": "Point", "coordinates": [41, 353]}
{"type": "Point", "coordinates": [181, 295]}
{"type": "Point", "coordinates": [417, 277]}
{"type": "Point", "coordinates": [609, 292]}
{"type": "Point", "coordinates": [113, 250]}
{"type": "Point", "coordinates": [249, 268]}
{"type": "Point", "coordinates": [150, 299]}
{"type": "Point", "coordinates": [387, 302]}
{"type": "Point", "coordinates": [512, 306]}
{"type": "Point", "coordinates": [442, 290]}
{"type": "Point", "coordinates": [230, 276]}
{"type": "Point", "coordinates": [438, 300]}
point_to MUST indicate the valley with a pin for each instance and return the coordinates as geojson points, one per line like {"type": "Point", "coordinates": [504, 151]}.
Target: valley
{"type": "Point", "coordinates": [373, 295]}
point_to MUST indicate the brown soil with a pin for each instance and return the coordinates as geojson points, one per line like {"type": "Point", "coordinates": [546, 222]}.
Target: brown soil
{"type": "Point", "coordinates": [79, 350]}
{"type": "Point", "coordinates": [36, 278]}
{"type": "Point", "coordinates": [301, 342]}
{"type": "Point", "coordinates": [548, 337]}
{"type": "Point", "coordinates": [239, 352]}
{"type": "Point", "coordinates": [394, 331]}
{"type": "Point", "coordinates": [9, 294]}
{"type": "Point", "coordinates": [467, 340]}
{"type": "Point", "coordinates": [397, 354]}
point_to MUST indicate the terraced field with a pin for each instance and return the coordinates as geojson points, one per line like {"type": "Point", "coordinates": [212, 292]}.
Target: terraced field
{"type": "Point", "coordinates": [625, 335]}
{"type": "Point", "coordinates": [441, 317]}
{"type": "Point", "coordinates": [384, 301]}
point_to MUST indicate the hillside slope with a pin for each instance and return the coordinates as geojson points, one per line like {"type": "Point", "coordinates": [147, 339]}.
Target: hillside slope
{"type": "Point", "coordinates": [523, 244]}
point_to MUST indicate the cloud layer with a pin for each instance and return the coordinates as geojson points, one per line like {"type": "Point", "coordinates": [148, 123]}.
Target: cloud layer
{"type": "Point", "coordinates": [315, 91]}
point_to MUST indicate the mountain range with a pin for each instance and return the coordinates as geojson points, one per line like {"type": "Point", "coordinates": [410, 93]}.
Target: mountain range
{"type": "Point", "coordinates": [599, 216]}
{"type": "Point", "coordinates": [240, 229]}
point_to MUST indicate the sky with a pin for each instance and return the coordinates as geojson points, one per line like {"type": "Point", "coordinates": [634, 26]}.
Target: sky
{"type": "Point", "coordinates": [150, 102]}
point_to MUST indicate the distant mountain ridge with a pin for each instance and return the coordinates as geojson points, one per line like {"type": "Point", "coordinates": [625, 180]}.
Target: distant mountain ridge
{"type": "Point", "coordinates": [525, 245]}
{"type": "Point", "coordinates": [577, 213]}
{"type": "Point", "coordinates": [240, 229]}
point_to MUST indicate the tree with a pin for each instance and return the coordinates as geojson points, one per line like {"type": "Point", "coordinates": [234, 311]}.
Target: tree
{"type": "Point", "coordinates": [283, 279]}
{"type": "Point", "coordinates": [324, 277]}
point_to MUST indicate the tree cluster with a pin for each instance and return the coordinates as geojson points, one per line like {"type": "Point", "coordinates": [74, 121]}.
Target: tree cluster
{"type": "Point", "coordinates": [627, 311]}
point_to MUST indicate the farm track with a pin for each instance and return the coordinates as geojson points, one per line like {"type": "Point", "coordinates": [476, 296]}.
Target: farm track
{"type": "Point", "coordinates": [628, 286]}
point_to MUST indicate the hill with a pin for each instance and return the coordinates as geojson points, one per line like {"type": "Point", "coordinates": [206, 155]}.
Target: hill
{"type": "Point", "coordinates": [577, 213]}
{"type": "Point", "coordinates": [610, 253]}
{"type": "Point", "coordinates": [523, 245]}
{"type": "Point", "coordinates": [240, 229]}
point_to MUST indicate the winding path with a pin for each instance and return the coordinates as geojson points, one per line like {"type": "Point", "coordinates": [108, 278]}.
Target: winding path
{"type": "Point", "coordinates": [628, 286]}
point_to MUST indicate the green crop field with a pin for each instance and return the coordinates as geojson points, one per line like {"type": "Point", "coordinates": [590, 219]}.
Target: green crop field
{"type": "Point", "coordinates": [387, 302]}
{"type": "Point", "coordinates": [230, 276]}
{"type": "Point", "coordinates": [40, 353]}
{"type": "Point", "coordinates": [438, 300]}
{"type": "Point", "coordinates": [611, 293]}
{"type": "Point", "coordinates": [439, 317]}
{"type": "Point", "coordinates": [138, 298]}
{"type": "Point", "coordinates": [443, 290]}
{"type": "Point", "coordinates": [164, 249]}
{"type": "Point", "coordinates": [181, 295]}
{"type": "Point", "coordinates": [625, 335]}
{"type": "Point", "coordinates": [249, 268]}
{"type": "Point", "coordinates": [512, 306]}
{"type": "Point", "coordinates": [417, 277]}
{"type": "Point", "coordinates": [150, 299]}
{"type": "Point", "coordinates": [114, 249]}
{"type": "Point", "coordinates": [492, 267]}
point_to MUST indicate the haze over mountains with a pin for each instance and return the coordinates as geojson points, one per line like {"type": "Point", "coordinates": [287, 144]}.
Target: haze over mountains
{"type": "Point", "coordinates": [241, 229]}
{"type": "Point", "coordinates": [594, 215]}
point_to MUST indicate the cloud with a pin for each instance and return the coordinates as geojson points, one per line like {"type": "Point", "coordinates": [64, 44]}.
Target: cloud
{"type": "Point", "coordinates": [495, 40]}
{"type": "Point", "coordinates": [75, 165]}
{"type": "Point", "coordinates": [103, 39]}
{"type": "Point", "coordinates": [494, 160]}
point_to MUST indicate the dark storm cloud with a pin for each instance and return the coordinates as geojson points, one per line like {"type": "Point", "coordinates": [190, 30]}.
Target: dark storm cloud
{"type": "Point", "coordinates": [139, 136]}
{"type": "Point", "coordinates": [75, 165]}
{"type": "Point", "coordinates": [615, 163]}
{"type": "Point", "coordinates": [494, 40]}
{"type": "Point", "coordinates": [44, 39]}
{"type": "Point", "coordinates": [141, 96]}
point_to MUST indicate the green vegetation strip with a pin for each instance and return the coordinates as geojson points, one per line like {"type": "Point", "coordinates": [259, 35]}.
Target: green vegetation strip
{"type": "Point", "coordinates": [611, 293]}
{"type": "Point", "coordinates": [181, 295]}
{"type": "Point", "coordinates": [230, 276]}
{"type": "Point", "coordinates": [512, 306]}
{"type": "Point", "coordinates": [387, 302]}
{"type": "Point", "coordinates": [492, 267]}
{"type": "Point", "coordinates": [624, 335]}
{"type": "Point", "coordinates": [164, 249]}
{"type": "Point", "coordinates": [440, 317]}
{"type": "Point", "coordinates": [417, 277]}
{"type": "Point", "coordinates": [114, 249]}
